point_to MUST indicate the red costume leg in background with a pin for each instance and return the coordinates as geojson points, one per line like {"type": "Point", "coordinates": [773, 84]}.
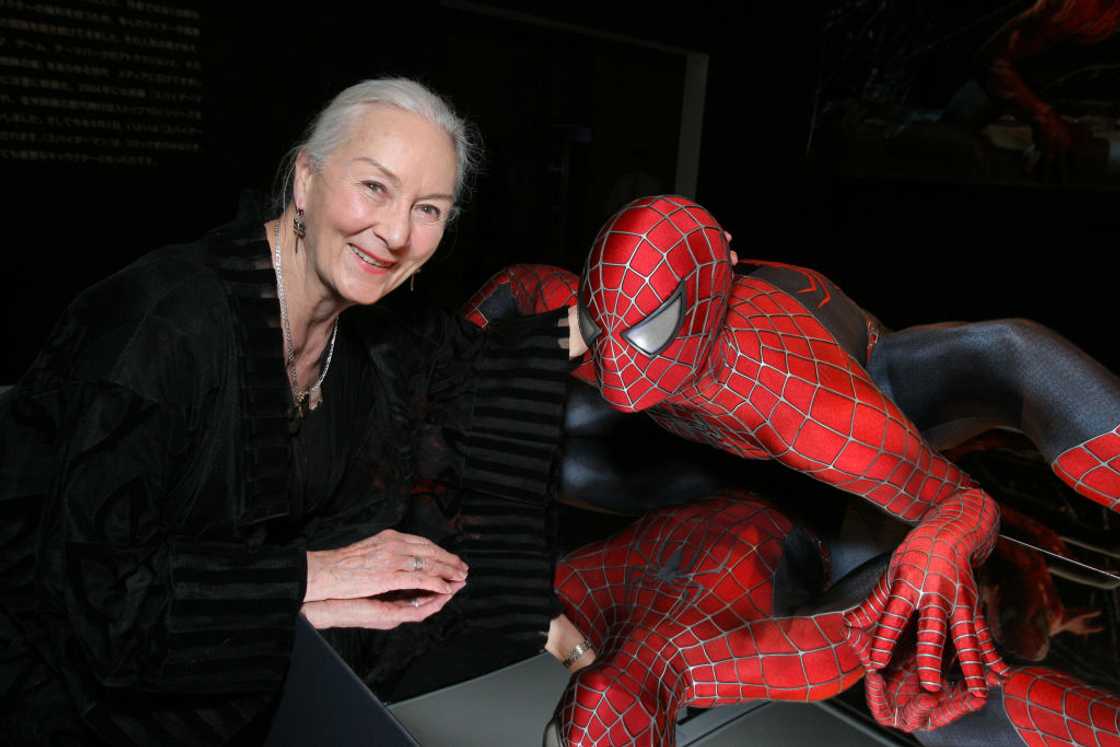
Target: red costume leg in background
{"type": "Point", "coordinates": [1040, 706]}
{"type": "Point", "coordinates": [956, 379]}
{"type": "Point", "coordinates": [1093, 469]}
{"type": "Point", "coordinates": [1048, 709]}
{"type": "Point", "coordinates": [679, 607]}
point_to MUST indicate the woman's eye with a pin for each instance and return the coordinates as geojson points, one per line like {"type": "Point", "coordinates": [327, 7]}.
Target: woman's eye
{"type": "Point", "coordinates": [376, 188]}
{"type": "Point", "coordinates": [429, 213]}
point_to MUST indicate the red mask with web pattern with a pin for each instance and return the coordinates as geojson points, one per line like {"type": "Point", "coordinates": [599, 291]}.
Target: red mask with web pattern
{"type": "Point", "coordinates": [652, 298]}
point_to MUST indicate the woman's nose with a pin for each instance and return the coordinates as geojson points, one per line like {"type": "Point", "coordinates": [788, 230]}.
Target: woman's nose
{"type": "Point", "coordinates": [395, 226]}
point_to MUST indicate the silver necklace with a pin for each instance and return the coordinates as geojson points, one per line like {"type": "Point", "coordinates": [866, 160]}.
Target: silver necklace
{"type": "Point", "coordinates": [314, 394]}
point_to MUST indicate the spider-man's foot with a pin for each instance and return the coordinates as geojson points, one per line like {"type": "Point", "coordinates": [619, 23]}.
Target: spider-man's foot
{"type": "Point", "coordinates": [1092, 468]}
{"type": "Point", "coordinates": [524, 290]}
{"type": "Point", "coordinates": [521, 290]}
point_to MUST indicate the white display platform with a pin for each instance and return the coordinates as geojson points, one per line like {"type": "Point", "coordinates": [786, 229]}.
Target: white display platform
{"type": "Point", "coordinates": [510, 707]}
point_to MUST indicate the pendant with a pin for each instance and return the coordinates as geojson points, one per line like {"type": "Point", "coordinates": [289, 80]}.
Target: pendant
{"type": "Point", "coordinates": [315, 397]}
{"type": "Point", "coordinates": [295, 416]}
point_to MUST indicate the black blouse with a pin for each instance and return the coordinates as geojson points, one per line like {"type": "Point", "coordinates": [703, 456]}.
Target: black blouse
{"type": "Point", "coordinates": [156, 508]}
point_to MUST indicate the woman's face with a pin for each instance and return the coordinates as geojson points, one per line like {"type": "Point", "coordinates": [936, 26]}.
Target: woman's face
{"type": "Point", "coordinates": [377, 209]}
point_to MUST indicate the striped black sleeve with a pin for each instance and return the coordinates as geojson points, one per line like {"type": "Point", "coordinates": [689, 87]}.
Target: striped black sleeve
{"type": "Point", "coordinates": [516, 424]}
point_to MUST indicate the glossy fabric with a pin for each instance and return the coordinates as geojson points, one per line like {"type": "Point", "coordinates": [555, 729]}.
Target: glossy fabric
{"type": "Point", "coordinates": [156, 510]}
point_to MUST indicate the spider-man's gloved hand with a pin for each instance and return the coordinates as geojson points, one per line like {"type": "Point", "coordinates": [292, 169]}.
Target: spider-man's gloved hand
{"type": "Point", "coordinates": [897, 699]}
{"type": "Point", "coordinates": [931, 574]}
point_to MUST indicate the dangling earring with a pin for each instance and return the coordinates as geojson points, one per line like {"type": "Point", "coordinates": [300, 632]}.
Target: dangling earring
{"type": "Point", "coordinates": [412, 280]}
{"type": "Point", "coordinates": [298, 225]}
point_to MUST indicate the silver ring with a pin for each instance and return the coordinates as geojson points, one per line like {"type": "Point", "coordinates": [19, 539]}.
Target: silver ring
{"type": "Point", "coordinates": [417, 563]}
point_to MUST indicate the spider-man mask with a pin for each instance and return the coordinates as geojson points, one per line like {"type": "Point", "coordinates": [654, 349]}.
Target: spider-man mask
{"type": "Point", "coordinates": [652, 298]}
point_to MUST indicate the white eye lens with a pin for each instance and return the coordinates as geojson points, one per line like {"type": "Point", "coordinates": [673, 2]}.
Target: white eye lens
{"type": "Point", "coordinates": [587, 327]}
{"type": "Point", "coordinates": [655, 332]}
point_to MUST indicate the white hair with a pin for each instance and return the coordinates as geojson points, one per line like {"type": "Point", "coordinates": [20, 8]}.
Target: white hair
{"type": "Point", "coordinates": [331, 126]}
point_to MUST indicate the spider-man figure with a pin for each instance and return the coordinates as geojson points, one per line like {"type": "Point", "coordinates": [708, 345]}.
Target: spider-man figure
{"type": "Point", "coordinates": [778, 363]}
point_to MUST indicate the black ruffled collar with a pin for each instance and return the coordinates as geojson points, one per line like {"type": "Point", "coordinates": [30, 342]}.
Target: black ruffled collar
{"type": "Point", "coordinates": [240, 255]}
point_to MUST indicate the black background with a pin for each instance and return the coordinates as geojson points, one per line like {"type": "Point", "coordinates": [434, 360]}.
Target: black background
{"type": "Point", "coordinates": [547, 93]}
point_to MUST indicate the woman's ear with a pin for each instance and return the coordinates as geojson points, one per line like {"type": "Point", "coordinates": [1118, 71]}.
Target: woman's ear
{"type": "Point", "coordinates": [301, 181]}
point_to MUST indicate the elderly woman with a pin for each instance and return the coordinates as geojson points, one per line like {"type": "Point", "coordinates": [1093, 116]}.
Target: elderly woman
{"type": "Point", "coordinates": [207, 446]}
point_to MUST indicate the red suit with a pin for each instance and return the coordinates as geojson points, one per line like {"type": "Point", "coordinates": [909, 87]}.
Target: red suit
{"type": "Point", "coordinates": [739, 363]}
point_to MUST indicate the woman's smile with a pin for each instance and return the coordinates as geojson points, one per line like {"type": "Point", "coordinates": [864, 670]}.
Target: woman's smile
{"type": "Point", "coordinates": [370, 263]}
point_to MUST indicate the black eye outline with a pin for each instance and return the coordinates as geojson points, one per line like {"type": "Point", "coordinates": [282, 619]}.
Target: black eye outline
{"type": "Point", "coordinates": [587, 328]}
{"type": "Point", "coordinates": [652, 335]}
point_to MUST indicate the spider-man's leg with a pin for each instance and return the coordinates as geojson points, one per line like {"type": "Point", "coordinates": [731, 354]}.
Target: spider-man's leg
{"type": "Point", "coordinates": [955, 380]}
{"type": "Point", "coordinates": [1034, 706]}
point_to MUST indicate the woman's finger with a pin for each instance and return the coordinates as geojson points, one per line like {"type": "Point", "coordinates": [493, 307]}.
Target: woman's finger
{"type": "Point", "coordinates": [432, 566]}
{"type": "Point", "coordinates": [425, 548]}
{"type": "Point", "coordinates": [420, 607]}
{"type": "Point", "coordinates": [419, 580]}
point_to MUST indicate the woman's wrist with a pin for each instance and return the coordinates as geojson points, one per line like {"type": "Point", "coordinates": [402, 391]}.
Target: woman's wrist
{"type": "Point", "coordinates": [568, 645]}
{"type": "Point", "coordinates": [313, 591]}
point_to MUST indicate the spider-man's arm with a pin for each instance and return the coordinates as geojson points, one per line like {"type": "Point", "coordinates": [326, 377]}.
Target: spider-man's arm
{"type": "Point", "coordinates": [931, 571]}
{"type": "Point", "coordinates": [807, 403]}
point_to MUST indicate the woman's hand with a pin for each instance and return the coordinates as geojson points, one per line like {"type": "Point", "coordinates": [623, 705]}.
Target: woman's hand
{"type": "Point", "coordinates": [389, 561]}
{"type": "Point", "coordinates": [576, 346]}
{"type": "Point", "coordinates": [931, 574]}
{"type": "Point", "coordinates": [383, 613]}
{"type": "Point", "coordinates": [562, 642]}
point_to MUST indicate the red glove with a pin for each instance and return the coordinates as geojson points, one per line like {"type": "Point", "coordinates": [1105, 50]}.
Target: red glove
{"type": "Point", "coordinates": [896, 699]}
{"type": "Point", "coordinates": [931, 573]}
